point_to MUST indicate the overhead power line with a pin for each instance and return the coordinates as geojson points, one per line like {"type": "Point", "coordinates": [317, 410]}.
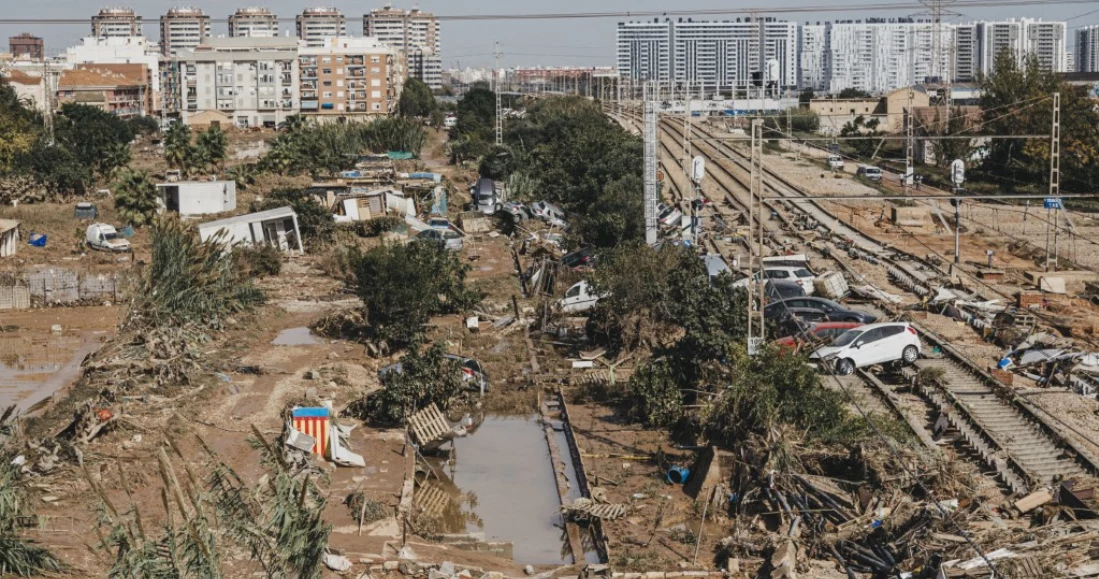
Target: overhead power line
{"type": "Point", "coordinates": [907, 6]}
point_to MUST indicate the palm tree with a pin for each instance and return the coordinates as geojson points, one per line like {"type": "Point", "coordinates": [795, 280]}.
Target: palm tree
{"type": "Point", "coordinates": [212, 146]}
{"type": "Point", "coordinates": [244, 175]}
{"type": "Point", "coordinates": [282, 155]}
{"type": "Point", "coordinates": [136, 197]}
{"type": "Point", "coordinates": [115, 158]}
{"type": "Point", "coordinates": [293, 123]}
{"type": "Point", "coordinates": [178, 150]}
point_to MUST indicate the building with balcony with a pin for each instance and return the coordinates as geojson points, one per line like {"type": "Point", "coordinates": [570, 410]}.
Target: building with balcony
{"type": "Point", "coordinates": [415, 35]}
{"type": "Point", "coordinates": [349, 79]}
{"type": "Point", "coordinates": [120, 89]}
{"type": "Point", "coordinates": [249, 82]}
{"type": "Point", "coordinates": [116, 21]}
{"type": "Point", "coordinates": [254, 21]}
{"type": "Point", "coordinates": [316, 25]}
{"type": "Point", "coordinates": [26, 46]}
{"type": "Point", "coordinates": [113, 50]}
{"type": "Point", "coordinates": [183, 28]}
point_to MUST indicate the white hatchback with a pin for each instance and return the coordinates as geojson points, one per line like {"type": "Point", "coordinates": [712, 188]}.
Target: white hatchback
{"type": "Point", "coordinates": [870, 344]}
{"type": "Point", "coordinates": [799, 275]}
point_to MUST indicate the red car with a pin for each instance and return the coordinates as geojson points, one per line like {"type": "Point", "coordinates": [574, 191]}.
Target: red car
{"type": "Point", "coordinates": [823, 332]}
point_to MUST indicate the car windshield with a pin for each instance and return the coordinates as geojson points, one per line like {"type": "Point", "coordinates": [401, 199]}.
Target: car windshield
{"type": "Point", "coordinates": [803, 273]}
{"type": "Point", "coordinates": [110, 236]}
{"type": "Point", "coordinates": [847, 337]}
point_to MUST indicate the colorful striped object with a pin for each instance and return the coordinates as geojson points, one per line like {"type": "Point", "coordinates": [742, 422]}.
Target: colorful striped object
{"type": "Point", "coordinates": [314, 422]}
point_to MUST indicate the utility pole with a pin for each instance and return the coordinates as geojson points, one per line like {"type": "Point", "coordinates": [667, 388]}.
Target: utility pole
{"type": "Point", "coordinates": [755, 194]}
{"type": "Point", "coordinates": [1054, 175]}
{"type": "Point", "coordinates": [499, 100]}
{"type": "Point", "coordinates": [910, 143]}
{"type": "Point", "coordinates": [49, 89]}
{"type": "Point", "coordinates": [650, 91]}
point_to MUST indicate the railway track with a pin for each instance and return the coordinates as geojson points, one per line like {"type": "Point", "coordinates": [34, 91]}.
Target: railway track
{"type": "Point", "coordinates": [1024, 447]}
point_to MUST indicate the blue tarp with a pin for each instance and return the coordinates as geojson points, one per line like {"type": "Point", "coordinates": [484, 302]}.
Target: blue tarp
{"type": "Point", "coordinates": [37, 240]}
{"type": "Point", "coordinates": [310, 412]}
{"type": "Point", "coordinates": [399, 155]}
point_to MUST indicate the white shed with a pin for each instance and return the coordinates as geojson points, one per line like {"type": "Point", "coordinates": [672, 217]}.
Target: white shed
{"type": "Point", "coordinates": [198, 197]}
{"type": "Point", "coordinates": [9, 237]}
{"type": "Point", "coordinates": [278, 227]}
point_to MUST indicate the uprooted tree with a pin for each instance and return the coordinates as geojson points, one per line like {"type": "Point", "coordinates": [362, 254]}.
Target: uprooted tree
{"type": "Point", "coordinates": [18, 555]}
{"type": "Point", "coordinates": [402, 286]}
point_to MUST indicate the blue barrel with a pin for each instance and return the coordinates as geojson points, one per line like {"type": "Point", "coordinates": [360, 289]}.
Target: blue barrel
{"type": "Point", "coordinates": [678, 475]}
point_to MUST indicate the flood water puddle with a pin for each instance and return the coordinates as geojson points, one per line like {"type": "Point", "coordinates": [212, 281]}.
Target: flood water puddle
{"type": "Point", "coordinates": [295, 337]}
{"type": "Point", "coordinates": [501, 483]}
{"type": "Point", "coordinates": [35, 364]}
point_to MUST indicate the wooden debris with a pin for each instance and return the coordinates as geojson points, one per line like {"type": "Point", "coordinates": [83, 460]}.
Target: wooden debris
{"type": "Point", "coordinates": [590, 508]}
{"type": "Point", "coordinates": [1033, 500]}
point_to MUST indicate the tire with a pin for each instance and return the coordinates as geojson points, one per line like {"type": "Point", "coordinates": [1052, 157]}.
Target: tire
{"type": "Point", "coordinates": [909, 355]}
{"type": "Point", "coordinates": [845, 367]}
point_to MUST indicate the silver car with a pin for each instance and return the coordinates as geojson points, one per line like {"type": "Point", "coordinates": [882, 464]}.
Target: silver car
{"type": "Point", "coordinates": [447, 237]}
{"type": "Point", "coordinates": [484, 196]}
{"type": "Point", "coordinates": [551, 213]}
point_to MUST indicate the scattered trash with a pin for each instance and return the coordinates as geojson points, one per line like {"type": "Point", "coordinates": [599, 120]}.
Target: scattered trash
{"type": "Point", "coordinates": [337, 562]}
{"type": "Point", "coordinates": [677, 475]}
{"type": "Point", "coordinates": [37, 240]}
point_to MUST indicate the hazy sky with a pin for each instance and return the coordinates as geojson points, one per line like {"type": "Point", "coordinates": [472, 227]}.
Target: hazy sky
{"type": "Point", "coordinates": [469, 43]}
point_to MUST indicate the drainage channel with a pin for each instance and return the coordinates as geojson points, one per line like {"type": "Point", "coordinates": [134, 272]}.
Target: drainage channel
{"type": "Point", "coordinates": [497, 492]}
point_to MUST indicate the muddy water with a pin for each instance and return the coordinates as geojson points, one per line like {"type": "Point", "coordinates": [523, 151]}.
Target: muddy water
{"type": "Point", "coordinates": [295, 337]}
{"type": "Point", "coordinates": [34, 363]}
{"type": "Point", "coordinates": [506, 489]}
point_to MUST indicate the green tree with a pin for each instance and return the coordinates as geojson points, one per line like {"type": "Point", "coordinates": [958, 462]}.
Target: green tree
{"type": "Point", "coordinates": [402, 286]}
{"type": "Point", "coordinates": [178, 150]}
{"type": "Point", "coordinates": [953, 122]}
{"type": "Point", "coordinates": [136, 198]}
{"type": "Point", "coordinates": [314, 219]}
{"type": "Point", "coordinates": [476, 115]}
{"type": "Point", "coordinates": [868, 133]}
{"type": "Point", "coordinates": [98, 139]}
{"type": "Point", "coordinates": [211, 147]}
{"type": "Point", "coordinates": [57, 168]}
{"type": "Point", "coordinates": [853, 93]}
{"type": "Point", "coordinates": [425, 378]}
{"type": "Point", "coordinates": [616, 217]}
{"type": "Point", "coordinates": [805, 97]}
{"type": "Point", "coordinates": [416, 99]}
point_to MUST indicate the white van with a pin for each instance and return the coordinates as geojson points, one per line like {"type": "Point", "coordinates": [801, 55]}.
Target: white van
{"type": "Point", "coordinates": [578, 299]}
{"type": "Point", "coordinates": [835, 162]}
{"type": "Point", "coordinates": [870, 172]}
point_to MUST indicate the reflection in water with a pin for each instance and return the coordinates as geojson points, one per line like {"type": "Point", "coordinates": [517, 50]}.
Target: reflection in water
{"type": "Point", "coordinates": [33, 366]}
{"type": "Point", "coordinates": [499, 482]}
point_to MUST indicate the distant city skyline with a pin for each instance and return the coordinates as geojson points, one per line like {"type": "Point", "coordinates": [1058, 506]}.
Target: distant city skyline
{"type": "Point", "coordinates": [565, 42]}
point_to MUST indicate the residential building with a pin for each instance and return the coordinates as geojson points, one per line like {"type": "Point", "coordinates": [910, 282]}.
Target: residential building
{"type": "Point", "coordinates": [349, 79]}
{"type": "Point", "coordinates": [317, 24]}
{"type": "Point", "coordinates": [814, 56]}
{"type": "Point", "coordinates": [1025, 37]}
{"type": "Point", "coordinates": [119, 50]}
{"type": "Point", "coordinates": [27, 47]}
{"type": "Point", "coordinates": [116, 21]}
{"type": "Point", "coordinates": [253, 21]}
{"type": "Point", "coordinates": [644, 51]}
{"type": "Point", "coordinates": [415, 35]}
{"type": "Point", "coordinates": [878, 56]}
{"type": "Point", "coordinates": [121, 89]}
{"type": "Point", "coordinates": [967, 52]}
{"type": "Point", "coordinates": [29, 88]}
{"type": "Point", "coordinates": [242, 81]}
{"type": "Point", "coordinates": [183, 28]}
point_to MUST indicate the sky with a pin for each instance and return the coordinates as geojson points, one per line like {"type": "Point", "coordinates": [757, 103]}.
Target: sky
{"type": "Point", "coordinates": [565, 42]}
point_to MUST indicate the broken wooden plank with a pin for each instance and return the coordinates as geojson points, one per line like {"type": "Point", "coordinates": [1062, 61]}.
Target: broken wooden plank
{"type": "Point", "coordinates": [1033, 500]}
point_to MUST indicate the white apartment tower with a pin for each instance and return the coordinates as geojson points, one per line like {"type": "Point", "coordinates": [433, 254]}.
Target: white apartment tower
{"type": "Point", "coordinates": [644, 51]}
{"type": "Point", "coordinates": [814, 62]}
{"type": "Point", "coordinates": [251, 82]}
{"type": "Point", "coordinates": [183, 28]}
{"type": "Point", "coordinates": [253, 22]}
{"type": "Point", "coordinates": [1087, 48]}
{"type": "Point", "coordinates": [878, 56]}
{"type": "Point", "coordinates": [1025, 37]}
{"type": "Point", "coordinates": [415, 35]}
{"type": "Point", "coordinates": [316, 24]}
{"type": "Point", "coordinates": [116, 22]}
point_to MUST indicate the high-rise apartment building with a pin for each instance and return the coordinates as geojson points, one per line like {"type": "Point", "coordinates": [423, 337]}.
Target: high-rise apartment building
{"type": "Point", "coordinates": [116, 21]}
{"type": "Point", "coordinates": [415, 35]}
{"type": "Point", "coordinates": [814, 56]}
{"type": "Point", "coordinates": [349, 79]}
{"type": "Point", "coordinates": [966, 59]}
{"type": "Point", "coordinates": [253, 22]}
{"type": "Point", "coordinates": [247, 82]}
{"type": "Point", "coordinates": [1087, 48]}
{"type": "Point", "coordinates": [183, 28]}
{"type": "Point", "coordinates": [27, 46]}
{"type": "Point", "coordinates": [878, 56]}
{"type": "Point", "coordinates": [644, 51]}
{"type": "Point", "coordinates": [315, 25]}
{"type": "Point", "coordinates": [1024, 38]}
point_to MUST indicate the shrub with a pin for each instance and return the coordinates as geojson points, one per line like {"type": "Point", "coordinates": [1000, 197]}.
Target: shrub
{"type": "Point", "coordinates": [258, 261]}
{"type": "Point", "coordinates": [425, 378]}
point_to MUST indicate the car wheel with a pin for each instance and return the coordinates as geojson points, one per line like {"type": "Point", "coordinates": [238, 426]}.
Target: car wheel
{"type": "Point", "coordinates": [845, 367]}
{"type": "Point", "coordinates": [910, 354]}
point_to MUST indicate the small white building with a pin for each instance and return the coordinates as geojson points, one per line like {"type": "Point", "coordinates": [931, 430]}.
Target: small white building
{"type": "Point", "coordinates": [198, 197]}
{"type": "Point", "coordinates": [278, 227]}
{"type": "Point", "coordinates": [372, 204]}
{"type": "Point", "coordinates": [9, 237]}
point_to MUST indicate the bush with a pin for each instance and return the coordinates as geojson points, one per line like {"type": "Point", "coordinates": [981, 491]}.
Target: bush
{"type": "Point", "coordinates": [373, 227]}
{"type": "Point", "coordinates": [258, 261]}
{"type": "Point", "coordinates": [314, 219]}
{"type": "Point", "coordinates": [402, 286]}
{"type": "Point", "coordinates": [425, 378]}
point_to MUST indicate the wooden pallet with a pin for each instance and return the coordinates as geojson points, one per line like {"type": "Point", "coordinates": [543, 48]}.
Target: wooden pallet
{"type": "Point", "coordinates": [590, 508]}
{"type": "Point", "coordinates": [429, 427]}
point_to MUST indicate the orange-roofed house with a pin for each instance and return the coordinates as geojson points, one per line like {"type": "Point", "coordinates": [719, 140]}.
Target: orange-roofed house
{"type": "Point", "coordinates": [122, 89]}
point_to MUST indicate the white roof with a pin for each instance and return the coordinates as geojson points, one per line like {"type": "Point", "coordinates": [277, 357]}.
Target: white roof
{"type": "Point", "coordinates": [279, 212]}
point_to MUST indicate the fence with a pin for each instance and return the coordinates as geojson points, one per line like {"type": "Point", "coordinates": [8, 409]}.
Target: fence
{"type": "Point", "coordinates": [52, 286]}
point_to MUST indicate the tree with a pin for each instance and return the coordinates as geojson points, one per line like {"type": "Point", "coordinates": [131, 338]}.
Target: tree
{"type": "Point", "coordinates": [416, 99]}
{"type": "Point", "coordinates": [211, 147]}
{"type": "Point", "coordinates": [805, 97]}
{"type": "Point", "coordinates": [402, 286]}
{"type": "Point", "coordinates": [99, 140]}
{"type": "Point", "coordinates": [476, 116]}
{"type": "Point", "coordinates": [56, 168]}
{"type": "Point", "coordinates": [868, 131]}
{"type": "Point", "coordinates": [952, 122]}
{"type": "Point", "coordinates": [178, 150]}
{"type": "Point", "coordinates": [424, 378]}
{"type": "Point", "coordinates": [853, 93]}
{"type": "Point", "coordinates": [136, 198]}
{"type": "Point", "coordinates": [314, 220]}
{"type": "Point", "coordinates": [616, 217]}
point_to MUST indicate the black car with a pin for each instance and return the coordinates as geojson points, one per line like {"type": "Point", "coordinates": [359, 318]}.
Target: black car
{"type": "Point", "coordinates": [830, 310]}
{"type": "Point", "coordinates": [583, 258]}
{"type": "Point", "coordinates": [777, 289]}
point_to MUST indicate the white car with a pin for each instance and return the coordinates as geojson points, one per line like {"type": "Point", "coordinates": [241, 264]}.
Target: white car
{"type": "Point", "coordinates": [870, 344]}
{"type": "Point", "coordinates": [799, 275]}
{"type": "Point", "coordinates": [667, 216]}
{"type": "Point", "coordinates": [448, 238]}
{"type": "Point", "coordinates": [551, 213]}
{"type": "Point", "coordinates": [835, 162]}
{"type": "Point", "coordinates": [578, 299]}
